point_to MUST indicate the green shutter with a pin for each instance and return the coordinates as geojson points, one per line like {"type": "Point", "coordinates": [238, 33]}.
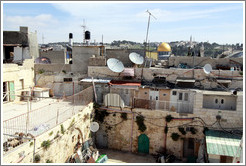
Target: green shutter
{"type": "Point", "coordinates": [12, 91]}
{"type": "Point", "coordinates": [143, 144]}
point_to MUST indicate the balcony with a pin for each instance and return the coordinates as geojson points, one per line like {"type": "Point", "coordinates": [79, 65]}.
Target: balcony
{"type": "Point", "coordinates": [179, 107]}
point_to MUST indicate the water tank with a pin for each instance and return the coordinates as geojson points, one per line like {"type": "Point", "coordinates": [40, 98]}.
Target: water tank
{"type": "Point", "coordinates": [70, 35]}
{"type": "Point", "coordinates": [87, 35]}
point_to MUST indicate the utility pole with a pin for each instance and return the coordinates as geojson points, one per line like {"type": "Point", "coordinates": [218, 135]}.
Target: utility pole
{"type": "Point", "coordinates": [145, 44]}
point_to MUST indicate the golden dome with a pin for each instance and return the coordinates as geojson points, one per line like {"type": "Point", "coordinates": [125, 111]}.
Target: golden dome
{"type": "Point", "coordinates": [164, 47]}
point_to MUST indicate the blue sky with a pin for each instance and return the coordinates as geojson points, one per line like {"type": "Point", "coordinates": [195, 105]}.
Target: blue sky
{"type": "Point", "coordinates": [213, 22]}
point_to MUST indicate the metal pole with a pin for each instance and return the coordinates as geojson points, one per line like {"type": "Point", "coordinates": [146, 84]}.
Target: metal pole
{"type": "Point", "coordinates": [27, 118]}
{"type": "Point", "coordinates": [34, 149]}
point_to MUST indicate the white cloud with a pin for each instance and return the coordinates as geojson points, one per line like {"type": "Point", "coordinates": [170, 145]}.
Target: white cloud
{"type": "Point", "coordinates": [181, 15]}
{"type": "Point", "coordinates": [35, 22]}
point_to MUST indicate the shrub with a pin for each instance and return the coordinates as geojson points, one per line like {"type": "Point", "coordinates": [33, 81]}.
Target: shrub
{"type": "Point", "coordinates": [46, 144]}
{"type": "Point", "coordinates": [140, 123]}
{"type": "Point", "coordinates": [37, 158]}
{"type": "Point", "coordinates": [169, 118]}
{"type": "Point", "coordinates": [49, 161]}
{"type": "Point", "coordinates": [50, 133]}
{"type": "Point", "coordinates": [123, 116]}
{"type": "Point", "coordinates": [175, 136]}
{"type": "Point", "coordinates": [62, 129]}
{"type": "Point", "coordinates": [181, 130]}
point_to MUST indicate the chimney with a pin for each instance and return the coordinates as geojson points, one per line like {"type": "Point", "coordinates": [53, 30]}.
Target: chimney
{"type": "Point", "coordinates": [24, 29]}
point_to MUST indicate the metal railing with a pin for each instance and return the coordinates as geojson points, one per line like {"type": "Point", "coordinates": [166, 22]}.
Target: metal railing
{"type": "Point", "coordinates": [179, 107]}
{"type": "Point", "coordinates": [36, 122]}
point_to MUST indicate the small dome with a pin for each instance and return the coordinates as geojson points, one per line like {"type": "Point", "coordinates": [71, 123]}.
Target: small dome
{"type": "Point", "coordinates": [164, 47]}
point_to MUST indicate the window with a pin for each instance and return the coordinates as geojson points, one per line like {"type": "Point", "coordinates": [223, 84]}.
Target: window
{"type": "Point", "coordinates": [164, 94]}
{"type": "Point", "coordinates": [67, 79]}
{"type": "Point", "coordinates": [180, 96]}
{"type": "Point", "coordinates": [216, 101]}
{"type": "Point", "coordinates": [174, 93]}
{"type": "Point", "coordinates": [222, 101]}
{"type": "Point", "coordinates": [146, 93]}
{"type": "Point", "coordinates": [156, 98]}
{"type": "Point", "coordinates": [186, 96]}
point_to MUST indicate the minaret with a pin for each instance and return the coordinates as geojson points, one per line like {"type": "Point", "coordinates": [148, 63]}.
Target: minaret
{"type": "Point", "coordinates": [202, 51]}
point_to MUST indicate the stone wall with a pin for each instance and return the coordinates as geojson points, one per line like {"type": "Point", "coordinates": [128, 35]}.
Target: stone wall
{"type": "Point", "coordinates": [81, 56]}
{"type": "Point", "coordinates": [201, 61]}
{"type": "Point", "coordinates": [97, 61]}
{"type": "Point", "coordinates": [52, 68]}
{"type": "Point", "coordinates": [55, 81]}
{"type": "Point", "coordinates": [61, 147]}
{"type": "Point", "coordinates": [55, 56]}
{"type": "Point", "coordinates": [123, 55]}
{"type": "Point", "coordinates": [123, 134]}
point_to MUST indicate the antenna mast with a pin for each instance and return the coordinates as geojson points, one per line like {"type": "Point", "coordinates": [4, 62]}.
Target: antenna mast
{"type": "Point", "coordinates": [83, 26]}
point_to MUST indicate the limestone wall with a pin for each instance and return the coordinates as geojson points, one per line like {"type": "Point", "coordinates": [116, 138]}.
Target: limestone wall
{"type": "Point", "coordinates": [201, 61]}
{"type": "Point", "coordinates": [55, 56]}
{"type": "Point", "coordinates": [52, 67]}
{"type": "Point", "coordinates": [61, 147]}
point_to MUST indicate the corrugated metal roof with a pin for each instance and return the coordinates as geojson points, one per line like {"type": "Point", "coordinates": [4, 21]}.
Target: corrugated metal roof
{"type": "Point", "coordinates": [222, 143]}
{"type": "Point", "coordinates": [96, 80]}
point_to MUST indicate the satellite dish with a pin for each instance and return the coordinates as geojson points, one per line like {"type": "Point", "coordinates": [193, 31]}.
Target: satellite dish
{"type": "Point", "coordinates": [207, 68]}
{"type": "Point", "coordinates": [136, 58]}
{"type": "Point", "coordinates": [115, 65]}
{"type": "Point", "coordinates": [94, 126]}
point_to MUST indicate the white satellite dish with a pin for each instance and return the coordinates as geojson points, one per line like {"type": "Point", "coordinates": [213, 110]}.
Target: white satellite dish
{"type": "Point", "coordinates": [94, 126]}
{"type": "Point", "coordinates": [136, 58]}
{"type": "Point", "coordinates": [207, 68]}
{"type": "Point", "coordinates": [115, 65]}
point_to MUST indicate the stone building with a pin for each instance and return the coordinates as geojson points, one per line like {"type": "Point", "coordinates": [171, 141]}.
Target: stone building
{"type": "Point", "coordinates": [20, 48]}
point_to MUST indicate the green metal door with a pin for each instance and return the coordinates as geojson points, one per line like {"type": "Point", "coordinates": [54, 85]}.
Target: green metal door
{"type": "Point", "coordinates": [12, 91]}
{"type": "Point", "coordinates": [143, 144]}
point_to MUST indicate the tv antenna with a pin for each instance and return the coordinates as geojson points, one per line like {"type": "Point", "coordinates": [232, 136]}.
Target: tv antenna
{"type": "Point", "coordinates": [84, 27]}
{"type": "Point", "coordinates": [148, 25]}
{"type": "Point", "coordinates": [145, 45]}
{"type": "Point", "coordinates": [115, 65]}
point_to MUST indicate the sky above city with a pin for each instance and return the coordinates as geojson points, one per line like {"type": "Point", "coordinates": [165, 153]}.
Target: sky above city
{"type": "Point", "coordinates": [214, 22]}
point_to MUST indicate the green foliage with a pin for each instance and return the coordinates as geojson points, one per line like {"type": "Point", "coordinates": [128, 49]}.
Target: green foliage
{"type": "Point", "coordinates": [100, 115]}
{"type": "Point", "coordinates": [50, 133]}
{"type": "Point", "coordinates": [72, 123]}
{"type": "Point", "coordinates": [123, 116]}
{"type": "Point", "coordinates": [64, 71]}
{"type": "Point", "coordinates": [193, 130]}
{"type": "Point", "coordinates": [140, 123]}
{"type": "Point", "coordinates": [37, 158]}
{"type": "Point", "coordinates": [169, 118]}
{"type": "Point", "coordinates": [46, 144]}
{"type": "Point", "coordinates": [57, 135]}
{"type": "Point", "coordinates": [86, 117]}
{"type": "Point", "coordinates": [49, 161]}
{"type": "Point", "coordinates": [31, 143]}
{"type": "Point", "coordinates": [182, 130]}
{"type": "Point", "coordinates": [41, 71]}
{"type": "Point", "coordinates": [241, 73]}
{"type": "Point", "coordinates": [166, 130]}
{"type": "Point", "coordinates": [96, 105]}
{"type": "Point", "coordinates": [62, 129]}
{"type": "Point", "coordinates": [175, 136]}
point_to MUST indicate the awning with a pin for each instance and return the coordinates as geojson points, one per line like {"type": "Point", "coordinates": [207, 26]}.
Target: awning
{"type": "Point", "coordinates": [220, 93]}
{"type": "Point", "coordinates": [186, 80]}
{"type": "Point", "coordinates": [224, 81]}
{"type": "Point", "coordinates": [127, 72]}
{"type": "Point", "coordinates": [222, 143]}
